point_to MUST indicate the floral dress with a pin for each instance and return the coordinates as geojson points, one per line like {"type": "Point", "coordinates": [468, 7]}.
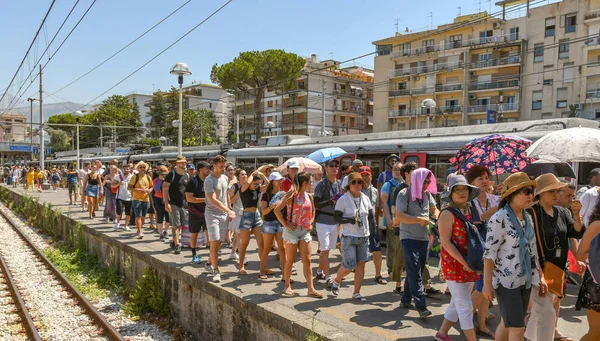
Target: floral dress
{"type": "Point", "coordinates": [589, 294]}
{"type": "Point", "coordinates": [453, 270]}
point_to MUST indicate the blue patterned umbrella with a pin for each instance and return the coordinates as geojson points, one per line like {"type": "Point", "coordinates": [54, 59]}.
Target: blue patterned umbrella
{"type": "Point", "coordinates": [499, 153]}
{"type": "Point", "coordinates": [326, 154]}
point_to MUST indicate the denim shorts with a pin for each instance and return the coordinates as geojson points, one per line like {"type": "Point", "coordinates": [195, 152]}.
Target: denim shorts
{"type": "Point", "coordinates": [272, 227]}
{"type": "Point", "coordinates": [250, 221]}
{"type": "Point", "coordinates": [140, 208]}
{"type": "Point", "coordinates": [354, 251]}
{"type": "Point", "coordinates": [294, 236]}
{"type": "Point", "coordinates": [375, 242]}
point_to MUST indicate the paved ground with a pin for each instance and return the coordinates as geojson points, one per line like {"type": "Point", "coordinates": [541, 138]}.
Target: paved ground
{"type": "Point", "coordinates": [380, 318]}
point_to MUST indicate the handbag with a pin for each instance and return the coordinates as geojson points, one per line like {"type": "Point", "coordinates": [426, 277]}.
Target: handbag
{"type": "Point", "coordinates": [555, 276]}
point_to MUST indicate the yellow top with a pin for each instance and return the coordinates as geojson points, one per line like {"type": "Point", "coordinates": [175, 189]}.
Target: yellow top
{"type": "Point", "coordinates": [142, 182]}
{"type": "Point", "coordinates": [30, 176]}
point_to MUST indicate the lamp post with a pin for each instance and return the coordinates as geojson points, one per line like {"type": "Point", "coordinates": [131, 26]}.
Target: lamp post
{"type": "Point", "coordinates": [78, 114]}
{"type": "Point", "coordinates": [428, 104]}
{"type": "Point", "coordinates": [180, 69]}
{"type": "Point", "coordinates": [270, 125]}
{"type": "Point", "coordinates": [30, 100]}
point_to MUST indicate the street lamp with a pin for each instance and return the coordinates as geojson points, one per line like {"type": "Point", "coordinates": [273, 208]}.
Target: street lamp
{"type": "Point", "coordinates": [180, 69]}
{"type": "Point", "coordinates": [428, 104]}
{"type": "Point", "coordinates": [163, 140]}
{"type": "Point", "coordinates": [270, 125]}
{"type": "Point", "coordinates": [78, 114]}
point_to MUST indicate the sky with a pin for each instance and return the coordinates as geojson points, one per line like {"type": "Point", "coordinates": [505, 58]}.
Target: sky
{"type": "Point", "coordinates": [343, 29]}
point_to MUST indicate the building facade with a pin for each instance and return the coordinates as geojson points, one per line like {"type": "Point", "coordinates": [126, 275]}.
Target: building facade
{"type": "Point", "coordinates": [325, 98]}
{"type": "Point", "coordinates": [485, 69]}
{"type": "Point", "coordinates": [13, 127]}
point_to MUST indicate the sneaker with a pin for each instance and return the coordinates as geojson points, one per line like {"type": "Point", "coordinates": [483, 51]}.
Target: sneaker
{"type": "Point", "coordinates": [126, 228]}
{"type": "Point", "coordinates": [234, 256]}
{"type": "Point", "coordinates": [406, 305]}
{"type": "Point", "coordinates": [335, 288]}
{"type": "Point", "coordinates": [397, 290]}
{"type": "Point", "coordinates": [432, 291]}
{"type": "Point", "coordinates": [117, 225]}
{"type": "Point", "coordinates": [423, 314]}
{"type": "Point", "coordinates": [439, 337]}
{"type": "Point", "coordinates": [329, 283]}
{"type": "Point", "coordinates": [162, 237]}
{"type": "Point", "coordinates": [140, 235]}
{"type": "Point", "coordinates": [320, 276]}
{"type": "Point", "coordinates": [172, 245]}
{"type": "Point", "coordinates": [245, 262]}
{"type": "Point", "coordinates": [217, 277]}
{"type": "Point", "coordinates": [196, 259]}
{"type": "Point", "coordinates": [70, 203]}
{"type": "Point", "coordinates": [209, 267]}
{"type": "Point", "coordinates": [177, 249]}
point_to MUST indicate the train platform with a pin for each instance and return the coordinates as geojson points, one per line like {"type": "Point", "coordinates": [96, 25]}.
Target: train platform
{"type": "Point", "coordinates": [336, 318]}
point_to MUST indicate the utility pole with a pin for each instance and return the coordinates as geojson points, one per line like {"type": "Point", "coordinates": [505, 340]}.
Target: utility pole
{"type": "Point", "coordinates": [237, 124]}
{"type": "Point", "coordinates": [31, 125]}
{"type": "Point", "coordinates": [115, 137]}
{"type": "Point", "coordinates": [42, 148]}
{"type": "Point", "coordinates": [101, 137]}
{"type": "Point", "coordinates": [323, 82]}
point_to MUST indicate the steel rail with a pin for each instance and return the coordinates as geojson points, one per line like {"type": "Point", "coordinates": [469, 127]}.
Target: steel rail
{"type": "Point", "coordinates": [30, 328]}
{"type": "Point", "coordinates": [107, 328]}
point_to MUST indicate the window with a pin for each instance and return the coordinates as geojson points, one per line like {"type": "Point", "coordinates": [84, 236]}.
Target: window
{"type": "Point", "coordinates": [570, 23]}
{"type": "Point", "coordinates": [209, 105]}
{"type": "Point", "coordinates": [428, 45]}
{"type": "Point", "coordinates": [402, 86]}
{"type": "Point", "coordinates": [405, 49]}
{"type": "Point", "coordinates": [569, 72]}
{"type": "Point", "coordinates": [548, 81]}
{"type": "Point", "coordinates": [536, 103]}
{"type": "Point", "coordinates": [269, 104]}
{"type": "Point", "coordinates": [563, 49]}
{"type": "Point", "coordinates": [546, 115]}
{"type": "Point", "coordinates": [455, 41]}
{"type": "Point", "coordinates": [301, 84]}
{"type": "Point", "coordinates": [561, 97]}
{"type": "Point", "coordinates": [514, 33]}
{"type": "Point", "coordinates": [383, 50]}
{"type": "Point", "coordinates": [550, 27]}
{"type": "Point", "coordinates": [538, 53]}
{"type": "Point", "coordinates": [597, 114]}
{"type": "Point", "coordinates": [484, 37]}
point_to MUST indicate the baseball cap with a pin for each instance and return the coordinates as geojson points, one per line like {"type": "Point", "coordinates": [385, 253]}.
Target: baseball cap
{"type": "Point", "coordinates": [332, 162]}
{"type": "Point", "coordinates": [293, 164]}
{"type": "Point", "coordinates": [274, 176]}
{"type": "Point", "coordinates": [365, 170]}
{"type": "Point", "coordinates": [191, 166]}
{"type": "Point", "coordinates": [203, 164]}
{"type": "Point", "coordinates": [164, 170]}
{"type": "Point", "coordinates": [357, 162]}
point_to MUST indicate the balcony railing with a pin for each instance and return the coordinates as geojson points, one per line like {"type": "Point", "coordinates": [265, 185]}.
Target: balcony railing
{"type": "Point", "coordinates": [397, 93]}
{"type": "Point", "coordinates": [448, 87]}
{"type": "Point", "coordinates": [496, 62]}
{"type": "Point", "coordinates": [420, 91]}
{"type": "Point", "coordinates": [451, 45]}
{"type": "Point", "coordinates": [349, 93]}
{"type": "Point", "coordinates": [449, 109]}
{"type": "Point", "coordinates": [502, 107]}
{"type": "Point", "coordinates": [494, 85]}
{"type": "Point", "coordinates": [593, 94]}
{"type": "Point", "coordinates": [354, 109]}
{"type": "Point", "coordinates": [402, 112]}
{"type": "Point", "coordinates": [591, 14]}
{"type": "Point", "coordinates": [437, 67]}
{"type": "Point", "coordinates": [592, 42]}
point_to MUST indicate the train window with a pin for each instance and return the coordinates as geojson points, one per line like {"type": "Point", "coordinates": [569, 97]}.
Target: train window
{"type": "Point", "coordinates": [245, 164]}
{"type": "Point", "coordinates": [584, 172]}
{"type": "Point", "coordinates": [346, 159]}
{"type": "Point", "coordinates": [273, 161]}
{"type": "Point", "coordinates": [414, 158]}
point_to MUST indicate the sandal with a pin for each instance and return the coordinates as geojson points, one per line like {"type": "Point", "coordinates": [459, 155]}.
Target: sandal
{"type": "Point", "coordinates": [358, 297]}
{"type": "Point", "coordinates": [558, 336]}
{"type": "Point", "coordinates": [315, 294]}
{"type": "Point", "coordinates": [269, 272]}
{"type": "Point", "coordinates": [263, 276]}
{"type": "Point", "coordinates": [289, 293]}
{"type": "Point", "coordinates": [484, 333]}
{"type": "Point", "coordinates": [294, 271]}
{"type": "Point", "coordinates": [380, 280]}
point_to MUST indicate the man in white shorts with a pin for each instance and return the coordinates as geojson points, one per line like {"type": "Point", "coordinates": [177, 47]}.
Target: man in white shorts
{"type": "Point", "coordinates": [217, 213]}
{"type": "Point", "coordinates": [327, 230]}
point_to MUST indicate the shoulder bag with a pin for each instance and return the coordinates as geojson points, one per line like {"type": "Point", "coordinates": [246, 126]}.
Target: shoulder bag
{"type": "Point", "coordinates": [555, 276]}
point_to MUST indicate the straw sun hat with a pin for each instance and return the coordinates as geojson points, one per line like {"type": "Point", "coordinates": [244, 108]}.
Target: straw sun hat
{"type": "Point", "coordinates": [548, 182]}
{"type": "Point", "coordinates": [515, 182]}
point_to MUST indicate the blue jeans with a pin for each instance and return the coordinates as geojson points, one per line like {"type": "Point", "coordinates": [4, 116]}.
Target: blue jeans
{"type": "Point", "coordinates": [140, 208]}
{"type": "Point", "coordinates": [415, 254]}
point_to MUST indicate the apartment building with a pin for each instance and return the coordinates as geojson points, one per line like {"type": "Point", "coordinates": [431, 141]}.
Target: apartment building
{"type": "Point", "coordinates": [341, 99]}
{"type": "Point", "coordinates": [13, 127]}
{"type": "Point", "coordinates": [485, 69]}
{"type": "Point", "coordinates": [590, 69]}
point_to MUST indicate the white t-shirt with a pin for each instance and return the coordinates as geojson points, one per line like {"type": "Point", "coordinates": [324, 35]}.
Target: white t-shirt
{"type": "Point", "coordinates": [83, 173]}
{"type": "Point", "coordinates": [355, 207]}
{"type": "Point", "coordinates": [482, 207]}
{"type": "Point", "coordinates": [588, 202]}
{"type": "Point", "coordinates": [123, 193]}
{"type": "Point", "coordinates": [345, 182]}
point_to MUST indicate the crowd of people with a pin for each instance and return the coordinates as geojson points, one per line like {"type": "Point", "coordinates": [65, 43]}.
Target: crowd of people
{"type": "Point", "coordinates": [512, 243]}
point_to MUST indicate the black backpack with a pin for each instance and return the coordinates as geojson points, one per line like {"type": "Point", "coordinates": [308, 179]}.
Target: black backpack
{"type": "Point", "coordinates": [475, 241]}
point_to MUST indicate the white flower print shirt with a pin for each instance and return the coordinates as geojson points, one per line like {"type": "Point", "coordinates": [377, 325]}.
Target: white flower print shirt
{"type": "Point", "coordinates": [502, 246]}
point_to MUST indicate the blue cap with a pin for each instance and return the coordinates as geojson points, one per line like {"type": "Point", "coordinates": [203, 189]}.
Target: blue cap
{"type": "Point", "coordinates": [190, 166]}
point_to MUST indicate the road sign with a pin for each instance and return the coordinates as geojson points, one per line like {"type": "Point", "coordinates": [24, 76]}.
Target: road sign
{"type": "Point", "coordinates": [36, 151]}
{"type": "Point", "coordinates": [20, 148]}
{"type": "Point", "coordinates": [491, 116]}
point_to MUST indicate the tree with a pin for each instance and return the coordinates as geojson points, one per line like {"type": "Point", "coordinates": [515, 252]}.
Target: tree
{"type": "Point", "coordinates": [200, 126]}
{"type": "Point", "coordinates": [58, 140]}
{"type": "Point", "coordinates": [162, 105]}
{"type": "Point", "coordinates": [66, 118]}
{"type": "Point", "coordinates": [257, 72]}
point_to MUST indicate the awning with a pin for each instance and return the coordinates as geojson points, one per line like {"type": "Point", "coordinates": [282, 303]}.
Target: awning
{"type": "Point", "coordinates": [370, 102]}
{"type": "Point", "coordinates": [357, 88]}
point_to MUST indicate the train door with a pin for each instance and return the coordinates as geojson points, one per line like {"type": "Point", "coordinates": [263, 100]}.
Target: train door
{"type": "Point", "coordinates": [376, 162]}
{"type": "Point", "coordinates": [345, 159]}
{"type": "Point", "coordinates": [419, 158]}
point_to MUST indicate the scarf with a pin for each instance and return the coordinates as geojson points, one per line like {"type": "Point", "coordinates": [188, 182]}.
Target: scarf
{"type": "Point", "coordinates": [525, 235]}
{"type": "Point", "coordinates": [417, 177]}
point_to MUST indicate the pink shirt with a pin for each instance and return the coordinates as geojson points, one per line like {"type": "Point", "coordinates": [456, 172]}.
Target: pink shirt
{"type": "Point", "coordinates": [302, 211]}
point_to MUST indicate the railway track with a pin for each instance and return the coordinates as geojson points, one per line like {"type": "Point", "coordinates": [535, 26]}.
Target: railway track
{"type": "Point", "coordinates": [41, 293]}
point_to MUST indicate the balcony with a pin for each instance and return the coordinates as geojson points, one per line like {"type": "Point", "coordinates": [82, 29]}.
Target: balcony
{"type": "Point", "coordinates": [593, 94]}
{"type": "Point", "coordinates": [502, 107]}
{"type": "Point", "coordinates": [592, 42]}
{"type": "Point", "coordinates": [592, 15]}
{"type": "Point", "coordinates": [421, 91]}
{"type": "Point", "coordinates": [449, 109]}
{"type": "Point", "coordinates": [401, 112]}
{"type": "Point", "coordinates": [274, 108]}
{"type": "Point", "coordinates": [473, 42]}
{"type": "Point", "coordinates": [494, 85]}
{"type": "Point", "coordinates": [448, 87]}
{"type": "Point", "coordinates": [398, 93]}
{"type": "Point", "coordinates": [504, 61]}
{"type": "Point", "coordinates": [352, 110]}
{"type": "Point", "coordinates": [437, 67]}
{"type": "Point", "coordinates": [293, 104]}
{"type": "Point", "coordinates": [354, 92]}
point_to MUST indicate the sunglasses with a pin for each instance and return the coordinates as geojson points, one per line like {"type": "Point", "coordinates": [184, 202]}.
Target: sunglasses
{"type": "Point", "coordinates": [426, 181]}
{"type": "Point", "coordinates": [332, 166]}
{"type": "Point", "coordinates": [527, 191]}
{"type": "Point", "coordinates": [354, 182]}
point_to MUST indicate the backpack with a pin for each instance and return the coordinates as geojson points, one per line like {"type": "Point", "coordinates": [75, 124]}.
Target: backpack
{"type": "Point", "coordinates": [137, 178]}
{"type": "Point", "coordinates": [475, 242]}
